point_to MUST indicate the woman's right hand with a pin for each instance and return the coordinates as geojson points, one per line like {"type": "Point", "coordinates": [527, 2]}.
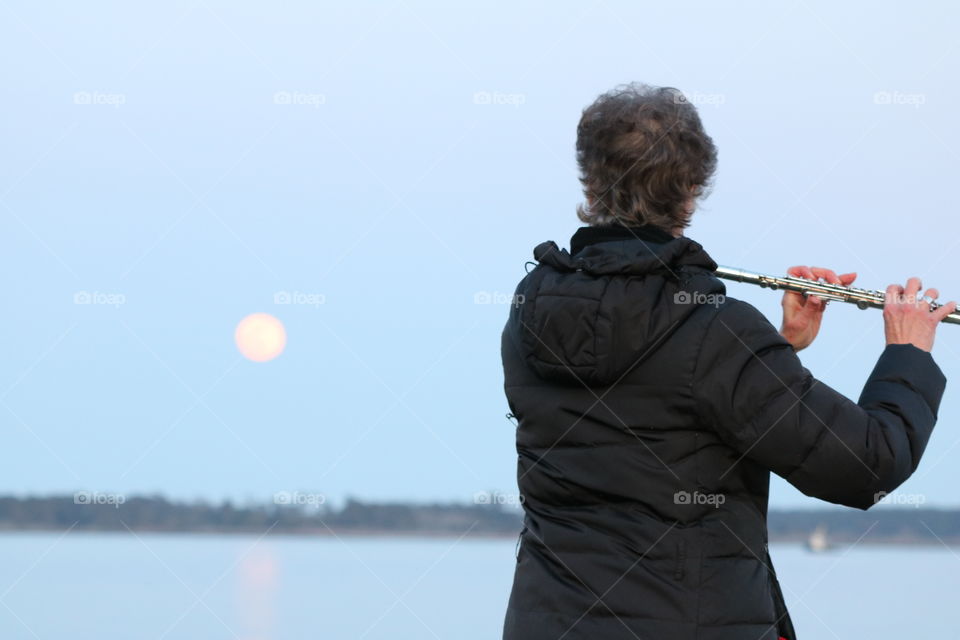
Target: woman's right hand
{"type": "Point", "coordinates": [907, 316]}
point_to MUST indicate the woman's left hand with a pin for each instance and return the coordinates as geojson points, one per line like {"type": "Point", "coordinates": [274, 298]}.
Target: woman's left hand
{"type": "Point", "coordinates": [802, 314]}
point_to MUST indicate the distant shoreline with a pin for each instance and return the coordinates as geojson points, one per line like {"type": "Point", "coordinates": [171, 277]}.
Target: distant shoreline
{"type": "Point", "coordinates": [87, 513]}
{"type": "Point", "coordinates": [320, 533]}
{"type": "Point", "coordinates": [425, 535]}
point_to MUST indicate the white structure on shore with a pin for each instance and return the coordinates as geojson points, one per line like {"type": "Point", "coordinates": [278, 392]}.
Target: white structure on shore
{"type": "Point", "coordinates": [817, 542]}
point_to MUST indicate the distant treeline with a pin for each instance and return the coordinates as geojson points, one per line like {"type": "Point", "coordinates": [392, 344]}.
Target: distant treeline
{"type": "Point", "coordinates": [106, 512]}
{"type": "Point", "coordinates": [113, 512]}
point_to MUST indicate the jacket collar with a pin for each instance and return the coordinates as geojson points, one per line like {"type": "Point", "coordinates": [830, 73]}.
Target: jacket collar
{"type": "Point", "coordinates": [613, 250]}
{"type": "Point", "coordinates": [585, 236]}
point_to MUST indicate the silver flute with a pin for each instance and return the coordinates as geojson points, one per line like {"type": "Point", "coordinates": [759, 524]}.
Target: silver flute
{"type": "Point", "coordinates": [863, 298]}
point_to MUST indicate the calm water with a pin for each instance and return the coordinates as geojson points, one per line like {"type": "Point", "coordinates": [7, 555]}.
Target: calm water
{"type": "Point", "coordinates": [120, 587]}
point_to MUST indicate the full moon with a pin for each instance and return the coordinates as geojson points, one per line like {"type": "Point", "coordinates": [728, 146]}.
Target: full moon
{"type": "Point", "coordinates": [260, 337]}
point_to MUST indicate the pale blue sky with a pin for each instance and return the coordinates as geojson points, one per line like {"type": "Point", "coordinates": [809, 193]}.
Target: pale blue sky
{"type": "Point", "coordinates": [391, 189]}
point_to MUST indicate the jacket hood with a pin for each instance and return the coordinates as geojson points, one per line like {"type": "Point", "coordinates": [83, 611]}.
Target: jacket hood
{"type": "Point", "coordinates": [590, 317]}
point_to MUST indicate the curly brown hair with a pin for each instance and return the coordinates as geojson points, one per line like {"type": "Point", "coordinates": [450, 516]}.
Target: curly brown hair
{"type": "Point", "coordinates": [644, 158]}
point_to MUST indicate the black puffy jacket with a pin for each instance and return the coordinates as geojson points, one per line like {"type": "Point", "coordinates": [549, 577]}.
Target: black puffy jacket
{"type": "Point", "coordinates": [651, 412]}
